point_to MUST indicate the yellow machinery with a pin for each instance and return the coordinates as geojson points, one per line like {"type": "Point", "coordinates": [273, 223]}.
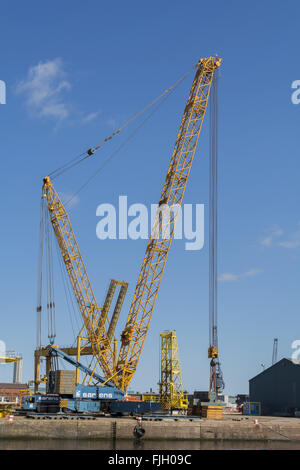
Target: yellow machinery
{"type": "Point", "coordinates": [10, 357]}
{"type": "Point", "coordinates": [151, 397]}
{"type": "Point", "coordinates": [86, 347]}
{"type": "Point", "coordinates": [97, 332]}
{"type": "Point", "coordinates": [6, 409]}
{"type": "Point", "coordinates": [170, 385]}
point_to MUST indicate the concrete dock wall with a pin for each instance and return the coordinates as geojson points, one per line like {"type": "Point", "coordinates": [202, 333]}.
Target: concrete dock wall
{"type": "Point", "coordinates": [108, 428]}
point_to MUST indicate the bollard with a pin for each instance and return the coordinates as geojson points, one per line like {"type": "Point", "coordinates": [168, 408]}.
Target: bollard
{"type": "Point", "coordinates": [138, 431]}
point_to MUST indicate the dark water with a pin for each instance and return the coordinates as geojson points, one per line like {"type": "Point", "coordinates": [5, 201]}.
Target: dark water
{"type": "Point", "coordinates": [57, 444]}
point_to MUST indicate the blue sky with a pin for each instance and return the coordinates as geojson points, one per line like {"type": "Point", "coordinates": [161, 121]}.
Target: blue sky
{"type": "Point", "coordinates": [100, 63]}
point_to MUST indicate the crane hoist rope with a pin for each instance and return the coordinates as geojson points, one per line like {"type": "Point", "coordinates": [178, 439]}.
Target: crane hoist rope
{"type": "Point", "coordinates": [216, 384]}
{"type": "Point", "coordinates": [40, 278]}
{"type": "Point", "coordinates": [115, 152]}
{"type": "Point", "coordinates": [88, 153]}
{"type": "Point", "coordinates": [45, 250]}
{"type": "Point", "coordinates": [69, 298]}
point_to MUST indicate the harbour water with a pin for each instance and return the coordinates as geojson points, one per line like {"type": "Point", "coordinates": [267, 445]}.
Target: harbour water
{"type": "Point", "coordinates": [108, 444]}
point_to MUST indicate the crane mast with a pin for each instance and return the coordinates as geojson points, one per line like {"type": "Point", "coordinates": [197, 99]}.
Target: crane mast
{"type": "Point", "coordinates": [134, 334]}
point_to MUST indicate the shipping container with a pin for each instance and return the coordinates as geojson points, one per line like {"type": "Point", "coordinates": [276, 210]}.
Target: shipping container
{"type": "Point", "coordinates": [252, 408]}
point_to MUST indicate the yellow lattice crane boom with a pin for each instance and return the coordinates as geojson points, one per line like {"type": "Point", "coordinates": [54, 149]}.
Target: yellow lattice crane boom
{"type": "Point", "coordinates": [134, 334]}
{"type": "Point", "coordinates": [92, 315]}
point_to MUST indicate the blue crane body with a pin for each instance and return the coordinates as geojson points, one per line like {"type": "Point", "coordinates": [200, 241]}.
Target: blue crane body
{"type": "Point", "coordinates": [105, 398]}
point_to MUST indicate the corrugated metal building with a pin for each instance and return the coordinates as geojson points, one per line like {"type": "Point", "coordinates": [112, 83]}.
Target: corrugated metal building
{"type": "Point", "coordinates": [277, 388]}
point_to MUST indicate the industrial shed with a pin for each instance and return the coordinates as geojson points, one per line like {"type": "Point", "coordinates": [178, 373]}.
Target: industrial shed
{"type": "Point", "coordinates": [277, 388]}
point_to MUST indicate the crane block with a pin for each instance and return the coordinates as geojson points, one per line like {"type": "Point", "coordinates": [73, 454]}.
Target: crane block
{"type": "Point", "coordinates": [213, 352]}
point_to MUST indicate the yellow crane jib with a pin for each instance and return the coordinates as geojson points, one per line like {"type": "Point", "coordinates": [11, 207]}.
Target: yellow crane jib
{"type": "Point", "coordinates": [89, 309]}
{"type": "Point", "coordinates": [157, 250]}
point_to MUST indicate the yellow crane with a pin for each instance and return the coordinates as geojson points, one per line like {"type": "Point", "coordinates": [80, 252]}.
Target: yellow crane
{"type": "Point", "coordinates": [120, 369]}
{"type": "Point", "coordinates": [94, 317]}
{"type": "Point", "coordinates": [134, 334]}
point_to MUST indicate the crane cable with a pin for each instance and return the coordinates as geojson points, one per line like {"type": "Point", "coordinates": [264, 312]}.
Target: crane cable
{"type": "Point", "coordinates": [40, 277]}
{"type": "Point", "coordinates": [213, 212]}
{"type": "Point", "coordinates": [115, 152]}
{"type": "Point", "coordinates": [45, 250]}
{"type": "Point", "coordinates": [69, 299]}
{"type": "Point", "coordinates": [213, 229]}
{"type": "Point", "coordinates": [50, 281]}
{"type": "Point", "coordinates": [88, 153]}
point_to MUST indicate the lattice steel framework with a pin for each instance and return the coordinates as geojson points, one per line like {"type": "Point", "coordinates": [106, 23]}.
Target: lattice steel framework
{"type": "Point", "coordinates": [153, 265]}
{"type": "Point", "coordinates": [94, 316]}
{"type": "Point", "coordinates": [170, 385]}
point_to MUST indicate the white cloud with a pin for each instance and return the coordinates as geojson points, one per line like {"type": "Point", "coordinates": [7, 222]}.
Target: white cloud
{"type": "Point", "coordinates": [293, 242]}
{"type": "Point", "coordinates": [252, 272]}
{"type": "Point", "coordinates": [266, 241]}
{"type": "Point", "coordinates": [273, 232]}
{"type": "Point", "coordinates": [69, 200]}
{"type": "Point", "coordinates": [228, 277]}
{"type": "Point", "coordinates": [231, 277]}
{"type": "Point", "coordinates": [44, 88]}
{"type": "Point", "coordinates": [289, 244]}
{"type": "Point", "coordinates": [90, 117]}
